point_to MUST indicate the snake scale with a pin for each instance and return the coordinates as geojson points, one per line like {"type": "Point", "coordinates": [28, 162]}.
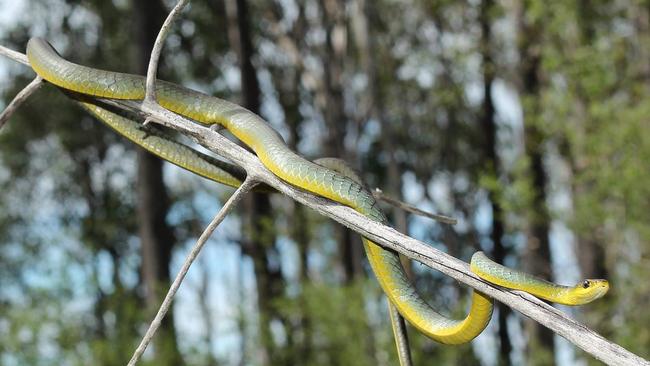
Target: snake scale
{"type": "Point", "coordinates": [327, 178]}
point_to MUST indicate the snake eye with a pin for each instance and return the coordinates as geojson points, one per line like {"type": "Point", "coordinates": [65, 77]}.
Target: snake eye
{"type": "Point", "coordinates": [585, 284]}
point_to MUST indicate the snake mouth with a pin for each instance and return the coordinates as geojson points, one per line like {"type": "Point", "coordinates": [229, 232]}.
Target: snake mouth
{"type": "Point", "coordinates": [600, 293]}
{"type": "Point", "coordinates": [599, 289]}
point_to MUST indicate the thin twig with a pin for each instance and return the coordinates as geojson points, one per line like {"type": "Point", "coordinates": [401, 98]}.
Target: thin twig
{"type": "Point", "coordinates": [152, 70]}
{"type": "Point", "coordinates": [14, 55]}
{"type": "Point", "coordinates": [380, 195]}
{"type": "Point", "coordinates": [401, 335]}
{"type": "Point", "coordinates": [544, 314]}
{"type": "Point", "coordinates": [164, 307]}
{"type": "Point", "coordinates": [20, 98]}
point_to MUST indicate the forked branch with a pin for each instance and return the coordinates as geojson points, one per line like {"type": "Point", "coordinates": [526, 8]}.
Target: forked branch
{"type": "Point", "coordinates": [152, 69]}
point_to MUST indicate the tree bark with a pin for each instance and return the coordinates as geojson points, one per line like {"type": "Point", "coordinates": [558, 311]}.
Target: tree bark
{"type": "Point", "coordinates": [156, 237]}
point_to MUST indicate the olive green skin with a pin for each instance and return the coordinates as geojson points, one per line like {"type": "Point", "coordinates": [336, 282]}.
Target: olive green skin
{"type": "Point", "coordinates": [582, 293]}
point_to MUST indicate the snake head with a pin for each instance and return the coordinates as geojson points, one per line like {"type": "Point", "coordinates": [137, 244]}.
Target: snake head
{"type": "Point", "coordinates": [590, 290]}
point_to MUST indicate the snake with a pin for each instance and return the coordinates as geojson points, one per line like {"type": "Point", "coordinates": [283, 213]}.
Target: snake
{"type": "Point", "coordinates": [324, 178]}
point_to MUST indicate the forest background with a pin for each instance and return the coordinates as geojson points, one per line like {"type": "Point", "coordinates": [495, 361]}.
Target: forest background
{"type": "Point", "coordinates": [526, 120]}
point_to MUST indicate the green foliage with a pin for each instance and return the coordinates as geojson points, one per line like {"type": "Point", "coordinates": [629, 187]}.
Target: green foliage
{"type": "Point", "coordinates": [341, 329]}
{"type": "Point", "coordinates": [598, 108]}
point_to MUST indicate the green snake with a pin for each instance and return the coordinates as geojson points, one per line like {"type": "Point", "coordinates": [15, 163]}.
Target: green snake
{"type": "Point", "coordinates": [327, 179]}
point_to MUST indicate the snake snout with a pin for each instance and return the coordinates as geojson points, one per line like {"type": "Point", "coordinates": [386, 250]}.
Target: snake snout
{"type": "Point", "coordinates": [599, 288]}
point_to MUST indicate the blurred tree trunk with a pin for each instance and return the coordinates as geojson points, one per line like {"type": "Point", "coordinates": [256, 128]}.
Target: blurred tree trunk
{"type": "Point", "coordinates": [642, 24]}
{"type": "Point", "coordinates": [259, 223]}
{"type": "Point", "coordinates": [537, 258]}
{"type": "Point", "coordinates": [120, 300]}
{"type": "Point", "coordinates": [286, 79]}
{"type": "Point", "coordinates": [299, 231]}
{"type": "Point", "coordinates": [363, 20]}
{"type": "Point", "coordinates": [156, 237]}
{"type": "Point", "coordinates": [371, 56]}
{"type": "Point", "coordinates": [590, 251]}
{"type": "Point", "coordinates": [333, 18]}
{"type": "Point", "coordinates": [491, 152]}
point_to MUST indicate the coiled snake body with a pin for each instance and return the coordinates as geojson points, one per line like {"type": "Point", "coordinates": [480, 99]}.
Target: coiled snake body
{"type": "Point", "coordinates": [294, 169]}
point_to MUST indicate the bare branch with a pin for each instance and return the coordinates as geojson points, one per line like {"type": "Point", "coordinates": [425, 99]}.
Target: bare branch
{"type": "Point", "coordinates": [20, 98]}
{"type": "Point", "coordinates": [14, 55]}
{"type": "Point", "coordinates": [164, 307]}
{"type": "Point", "coordinates": [400, 335]}
{"type": "Point", "coordinates": [152, 70]}
{"type": "Point", "coordinates": [575, 332]}
{"type": "Point", "coordinates": [380, 195]}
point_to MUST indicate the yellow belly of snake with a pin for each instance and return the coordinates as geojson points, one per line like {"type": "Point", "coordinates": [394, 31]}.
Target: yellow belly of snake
{"type": "Point", "coordinates": [294, 169]}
